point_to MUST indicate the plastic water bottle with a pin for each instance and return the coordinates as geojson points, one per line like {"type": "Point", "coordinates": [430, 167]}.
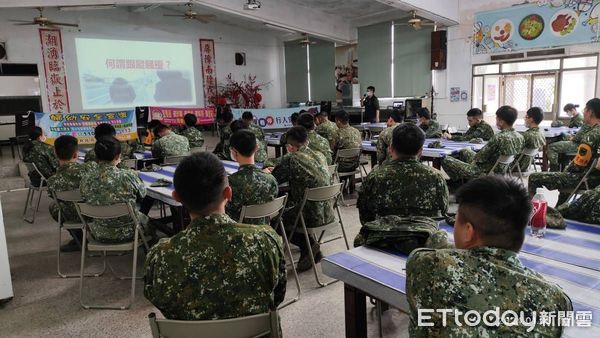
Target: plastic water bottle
{"type": "Point", "coordinates": [537, 222]}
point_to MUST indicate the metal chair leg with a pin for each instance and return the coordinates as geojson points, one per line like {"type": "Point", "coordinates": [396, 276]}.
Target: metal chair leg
{"type": "Point", "coordinates": [27, 204]}
{"type": "Point", "coordinates": [64, 275]}
{"type": "Point", "coordinates": [286, 243]}
{"type": "Point", "coordinates": [379, 314]}
{"type": "Point", "coordinates": [312, 257]}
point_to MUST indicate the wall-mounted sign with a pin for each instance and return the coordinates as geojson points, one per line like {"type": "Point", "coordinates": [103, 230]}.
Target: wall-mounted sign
{"type": "Point", "coordinates": [547, 24]}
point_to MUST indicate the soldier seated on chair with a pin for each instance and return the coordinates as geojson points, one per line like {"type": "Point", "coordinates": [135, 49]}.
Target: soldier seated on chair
{"type": "Point", "coordinates": [507, 142]}
{"type": "Point", "coordinates": [587, 152]}
{"type": "Point", "coordinates": [346, 137]}
{"type": "Point", "coordinates": [68, 177]}
{"type": "Point", "coordinates": [483, 273]}
{"type": "Point", "coordinates": [478, 128]}
{"type": "Point", "coordinates": [169, 143]}
{"type": "Point", "coordinates": [386, 136]}
{"type": "Point", "coordinates": [316, 142]}
{"type": "Point", "coordinates": [216, 268]}
{"type": "Point", "coordinates": [249, 184]}
{"type": "Point", "coordinates": [261, 153]}
{"type": "Point", "coordinates": [41, 154]}
{"type": "Point", "coordinates": [127, 148]}
{"type": "Point", "coordinates": [303, 167]}
{"type": "Point", "coordinates": [430, 127]}
{"type": "Point", "coordinates": [325, 127]}
{"type": "Point", "coordinates": [404, 186]}
{"type": "Point", "coordinates": [192, 133]}
{"type": "Point", "coordinates": [106, 184]}
{"type": "Point", "coordinates": [533, 137]}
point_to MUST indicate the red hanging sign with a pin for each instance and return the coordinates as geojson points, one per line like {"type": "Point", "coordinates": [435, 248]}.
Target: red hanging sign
{"type": "Point", "coordinates": [54, 70]}
{"type": "Point", "coordinates": [209, 71]}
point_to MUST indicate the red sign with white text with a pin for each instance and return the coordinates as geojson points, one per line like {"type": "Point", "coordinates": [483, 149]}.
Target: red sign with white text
{"type": "Point", "coordinates": [174, 116]}
{"type": "Point", "coordinates": [54, 70]}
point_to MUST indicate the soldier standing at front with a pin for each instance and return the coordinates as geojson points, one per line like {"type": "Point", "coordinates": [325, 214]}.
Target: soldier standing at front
{"type": "Point", "coordinates": [216, 268]}
{"type": "Point", "coordinates": [483, 272]}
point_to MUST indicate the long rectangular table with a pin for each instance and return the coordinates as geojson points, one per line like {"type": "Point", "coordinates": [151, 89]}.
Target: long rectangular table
{"type": "Point", "coordinates": [429, 154]}
{"type": "Point", "coordinates": [567, 257]}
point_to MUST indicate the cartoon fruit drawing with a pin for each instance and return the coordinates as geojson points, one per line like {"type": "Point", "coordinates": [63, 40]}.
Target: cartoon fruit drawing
{"type": "Point", "coordinates": [563, 22]}
{"type": "Point", "coordinates": [531, 27]}
{"type": "Point", "coordinates": [594, 19]}
{"type": "Point", "coordinates": [502, 31]}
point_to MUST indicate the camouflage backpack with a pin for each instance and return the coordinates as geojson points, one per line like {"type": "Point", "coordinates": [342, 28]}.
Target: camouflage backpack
{"type": "Point", "coordinates": [403, 234]}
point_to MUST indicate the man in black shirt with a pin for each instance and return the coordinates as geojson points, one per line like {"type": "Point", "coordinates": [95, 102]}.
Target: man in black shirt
{"type": "Point", "coordinates": [371, 104]}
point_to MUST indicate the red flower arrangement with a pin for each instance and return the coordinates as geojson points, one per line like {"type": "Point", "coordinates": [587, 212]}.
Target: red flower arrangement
{"type": "Point", "coordinates": [242, 94]}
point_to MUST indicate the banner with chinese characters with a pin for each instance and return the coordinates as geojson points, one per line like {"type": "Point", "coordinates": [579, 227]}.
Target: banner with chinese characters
{"type": "Point", "coordinates": [174, 116]}
{"type": "Point", "coordinates": [54, 70]}
{"type": "Point", "coordinates": [82, 125]}
{"type": "Point", "coordinates": [274, 118]}
{"type": "Point", "coordinates": [209, 71]}
{"type": "Point", "coordinates": [542, 25]}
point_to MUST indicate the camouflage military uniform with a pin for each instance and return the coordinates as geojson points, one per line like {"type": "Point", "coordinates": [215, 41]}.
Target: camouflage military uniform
{"type": "Point", "coordinates": [127, 152]}
{"type": "Point", "coordinates": [383, 143]}
{"type": "Point", "coordinates": [106, 185]}
{"type": "Point", "coordinates": [471, 164]}
{"type": "Point", "coordinates": [327, 129]}
{"type": "Point", "coordinates": [533, 139]}
{"type": "Point", "coordinates": [171, 145]}
{"type": "Point", "coordinates": [250, 186]}
{"type": "Point", "coordinates": [347, 137]}
{"type": "Point", "coordinates": [303, 169]}
{"type": "Point", "coordinates": [223, 145]}
{"type": "Point", "coordinates": [584, 209]}
{"type": "Point", "coordinates": [568, 179]}
{"type": "Point", "coordinates": [216, 269]}
{"type": "Point", "coordinates": [42, 155]}
{"type": "Point", "coordinates": [482, 130]}
{"type": "Point", "coordinates": [194, 137]}
{"type": "Point", "coordinates": [576, 121]}
{"type": "Point", "coordinates": [402, 188]}
{"type": "Point", "coordinates": [479, 279]}
{"type": "Point", "coordinates": [68, 177]}
{"type": "Point", "coordinates": [431, 129]}
{"type": "Point", "coordinates": [320, 144]}
{"type": "Point", "coordinates": [565, 147]}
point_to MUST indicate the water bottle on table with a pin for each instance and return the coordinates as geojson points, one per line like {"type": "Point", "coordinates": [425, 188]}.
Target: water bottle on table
{"type": "Point", "coordinates": [537, 223]}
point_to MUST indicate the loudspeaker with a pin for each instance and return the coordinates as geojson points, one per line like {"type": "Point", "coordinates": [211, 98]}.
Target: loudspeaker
{"type": "Point", "coordinates": [240, 59]}
{"type": "Point", "coordinates": [438, 50]}
{"type": "Point", "coordinates": [2, 51]}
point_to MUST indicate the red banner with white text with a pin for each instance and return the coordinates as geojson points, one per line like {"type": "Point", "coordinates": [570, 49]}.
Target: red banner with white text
{"type": "Point", "coordinates": [174, 116]}
{"type": "Point", "coordinates": [54, 70]}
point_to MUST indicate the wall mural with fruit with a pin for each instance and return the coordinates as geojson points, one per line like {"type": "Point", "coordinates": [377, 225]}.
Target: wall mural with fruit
{"type": "Point", "coordinates": [547, 23]}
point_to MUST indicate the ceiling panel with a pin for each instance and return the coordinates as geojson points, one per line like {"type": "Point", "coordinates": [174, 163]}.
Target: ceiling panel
{"type": "Point", "coordinates": [348, 9]}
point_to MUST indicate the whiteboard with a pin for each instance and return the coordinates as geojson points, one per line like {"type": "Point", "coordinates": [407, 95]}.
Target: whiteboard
{"type": "Point", "coordinates": [6, 290]}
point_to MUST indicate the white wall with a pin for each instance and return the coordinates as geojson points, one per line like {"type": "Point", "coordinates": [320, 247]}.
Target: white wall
{"type": "Point", "coordinates": [264, 51]}
{"type": "Point", "coordinates": [460, 61]}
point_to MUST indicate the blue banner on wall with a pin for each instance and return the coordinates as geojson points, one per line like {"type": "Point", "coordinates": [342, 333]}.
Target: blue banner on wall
{"type": "Point", "coordinates": [82, 125]}
{"type": "Point", "coordinates": [550, 23]}
{"type": "Point", "coordinates": [273, 118]}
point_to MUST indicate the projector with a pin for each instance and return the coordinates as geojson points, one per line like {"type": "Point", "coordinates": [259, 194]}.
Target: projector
{"type": "Point", "coordinates": [252, 5]}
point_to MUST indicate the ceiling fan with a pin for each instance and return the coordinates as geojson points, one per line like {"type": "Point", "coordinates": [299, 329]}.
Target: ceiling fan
{"type": "Point", "coordinates": [305, 41]}
{"type": "Point", "coordinates": [42, 21]}
{"type": "Point", "coordinates": [415, 22]}
{"type": "Point", "coordinates": [191, 14]}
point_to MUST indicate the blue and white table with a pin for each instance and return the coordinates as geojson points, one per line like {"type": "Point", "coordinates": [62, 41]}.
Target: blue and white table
{"type": "Point", "coordinates": [429, 154]}
{"type": "Point", "coordinates": [569, 258]}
